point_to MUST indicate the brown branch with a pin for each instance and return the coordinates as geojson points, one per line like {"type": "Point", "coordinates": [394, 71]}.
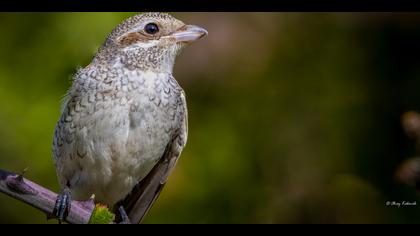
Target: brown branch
{"type": "Point", "coordinates": [41, 198]}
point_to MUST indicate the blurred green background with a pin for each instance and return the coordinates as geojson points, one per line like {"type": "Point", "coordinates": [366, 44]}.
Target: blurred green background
{"type": "Point", "coordinates": [293, 117]}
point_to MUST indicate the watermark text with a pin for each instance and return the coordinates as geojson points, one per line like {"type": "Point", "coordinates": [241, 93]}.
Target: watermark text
{"type": "Point", "coordinates": [400, 204]}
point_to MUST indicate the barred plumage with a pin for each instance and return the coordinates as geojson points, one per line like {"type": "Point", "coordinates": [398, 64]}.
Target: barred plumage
{"type": "Point", "coordinates": [122, 113]}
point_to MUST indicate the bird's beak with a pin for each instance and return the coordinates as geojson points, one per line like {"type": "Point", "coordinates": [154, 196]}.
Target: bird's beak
{"type": "Point", "coordinates": [188, 33]}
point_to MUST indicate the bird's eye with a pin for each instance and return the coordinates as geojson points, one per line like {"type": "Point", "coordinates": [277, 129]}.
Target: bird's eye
{"type": "Point", "coordinates": [151, 28]}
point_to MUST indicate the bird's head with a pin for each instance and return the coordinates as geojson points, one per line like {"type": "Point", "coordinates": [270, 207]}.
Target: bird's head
{"type": "Point", "coordinates": [149, 41]}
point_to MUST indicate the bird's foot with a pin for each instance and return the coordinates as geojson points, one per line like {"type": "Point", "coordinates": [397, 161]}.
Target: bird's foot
{"type": "Point", "coordinates": [62, 205]}
{"type": "Point", "coordinates": [124, 217]}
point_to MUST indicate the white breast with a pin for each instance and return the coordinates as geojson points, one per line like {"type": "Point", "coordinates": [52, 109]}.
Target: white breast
{"type": "Point", "coordinates": [117, 137]}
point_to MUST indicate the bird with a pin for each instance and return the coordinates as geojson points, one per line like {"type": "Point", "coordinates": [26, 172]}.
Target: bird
{"type": "Point", "coordinates": [124, 120]}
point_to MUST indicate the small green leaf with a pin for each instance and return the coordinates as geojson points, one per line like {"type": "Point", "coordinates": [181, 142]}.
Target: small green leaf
{"type": "Point", "coordinates": [101, 215]}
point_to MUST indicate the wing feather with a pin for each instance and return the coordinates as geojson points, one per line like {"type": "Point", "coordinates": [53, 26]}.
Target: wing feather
{"type": "Point", "coordinates": [145, 193]}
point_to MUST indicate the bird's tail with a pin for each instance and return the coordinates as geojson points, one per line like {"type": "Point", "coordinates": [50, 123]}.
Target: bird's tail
{"type": "Point", "coordinates": [145, 193]}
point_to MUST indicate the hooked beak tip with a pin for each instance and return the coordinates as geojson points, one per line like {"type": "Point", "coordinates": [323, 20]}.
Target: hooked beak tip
{"type": "Point", "coordinates": [189, 33]}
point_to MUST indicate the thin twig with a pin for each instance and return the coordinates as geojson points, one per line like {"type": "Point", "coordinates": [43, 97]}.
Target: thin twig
{"type": "Point", "coordinates": [16, 186]}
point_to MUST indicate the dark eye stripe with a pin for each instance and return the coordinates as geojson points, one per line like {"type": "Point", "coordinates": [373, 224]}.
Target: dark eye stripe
{"type": "Point", "coordinates": [151, 28]}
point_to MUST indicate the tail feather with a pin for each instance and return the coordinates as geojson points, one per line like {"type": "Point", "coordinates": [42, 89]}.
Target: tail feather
{"type": "Point", "coordinates": [144, 194]}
